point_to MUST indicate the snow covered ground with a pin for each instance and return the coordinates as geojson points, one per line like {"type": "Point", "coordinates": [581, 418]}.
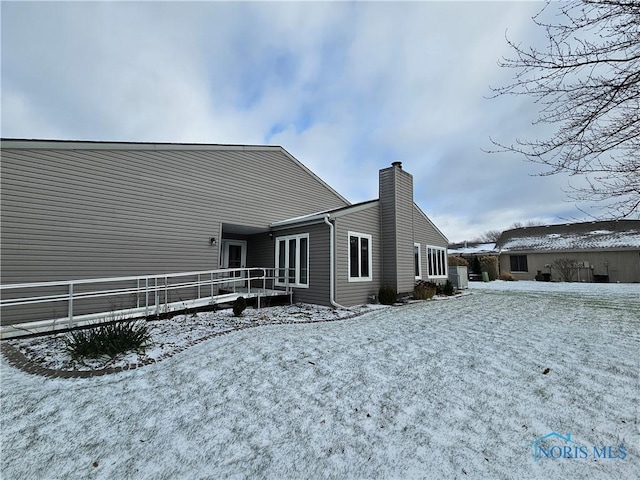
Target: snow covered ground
{"type": "Point", "coordinates": [177, 333]}
{"type": "Point", "coordinates": [450, 389]}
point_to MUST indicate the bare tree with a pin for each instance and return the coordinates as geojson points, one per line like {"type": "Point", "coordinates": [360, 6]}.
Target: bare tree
{"type": "Point", "coordinates": [492, 236]}
{"type": "Point", "coordinates": [566, 268]}
{"type": "Point", "coordinates": [587, 83]}
{"type": "Point", "coordinates": [489, 236]}
{"type": "Point", "coordinates": [528, 223]}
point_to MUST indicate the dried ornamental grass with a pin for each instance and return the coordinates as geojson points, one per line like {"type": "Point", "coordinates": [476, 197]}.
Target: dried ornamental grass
{"type": "Point", "coordinates": [109, 340]}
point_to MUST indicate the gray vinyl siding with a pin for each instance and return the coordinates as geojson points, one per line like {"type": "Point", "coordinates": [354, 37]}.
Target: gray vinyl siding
{"type": "Point", "coordinates": [367, 222]}
{"type": "Point", "coordinates": [59, 309]}
{"type": "Point", "coordinates": [319, 267]}
{"type": "Point", "coordinates": [424, 231]}
{"type": "Point", "coordinates": [262, 253]}
{"type": "Point", "coordinates": [396, 220]}
{"type": "Point", "coordinates": [404, 234]}
{"type": "Point", "coordinates": [621, 266]}
{"type": "Point", "coordinates": [388, 227]}
{"type": "Point", "coordinates": [260, 250]}
{"type": "Point", "coordinates": [426, 234]}
{"type": "Point", "coordinates": [72, 213]}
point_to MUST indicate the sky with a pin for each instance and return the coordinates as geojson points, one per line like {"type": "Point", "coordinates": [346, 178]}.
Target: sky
{"type": "Point", "coordinates": [346, 88]}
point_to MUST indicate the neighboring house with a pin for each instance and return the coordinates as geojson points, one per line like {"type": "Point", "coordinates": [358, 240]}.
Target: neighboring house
{"type": "Point", "coordinates": [470, 249]}
{"type": "Point", "coordinates": [77, 210]}
{"type": "Point", "coordinates": [473, 252]}
{"type": "Point", "coordinates": [604, 251]}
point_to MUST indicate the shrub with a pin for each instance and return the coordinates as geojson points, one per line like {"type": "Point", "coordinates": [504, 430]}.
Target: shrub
{"type": "Point", "coordinates": [238, 306]}
{"type": "Point", "coordinates": [110, 339]}
{"type": "Point", "coordinates": [424, 290]}
{"type": "Point", "coordinates": [387, 295]}
{"type": "Point", "coordinates": [489, 264]}
{"type": "Point", "coordinates": [566, 268]}
{"type": "Point", "coordinates": [455, 261]}
{"type": "Point", "coordinates": [445, 288]}
{"type": "Point", "coordinates": [448, 289]}
{"type": "Point", "coordinates": [507, 277]}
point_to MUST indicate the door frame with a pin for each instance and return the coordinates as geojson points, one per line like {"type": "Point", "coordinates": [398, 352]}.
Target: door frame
{"type": "Point", "coordinates": [224, 263]}
{"type": "Point", "coordinates": [224, 260]}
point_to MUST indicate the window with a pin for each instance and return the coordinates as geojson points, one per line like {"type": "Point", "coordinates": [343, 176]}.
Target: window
{"type": "Point", "coordinates": [417, 261]}
{"type": "Point", "coordinates": [292, 260]}
{"type": "Point", "coordinates": [436, 262]}
{"type": "Point", "coordinates": [359, 257]}
{"type": "Point", "coordinates": [518, 263]}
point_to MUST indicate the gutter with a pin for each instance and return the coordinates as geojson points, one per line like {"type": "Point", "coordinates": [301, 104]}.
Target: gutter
{"type": "Point", "coordinates": [294, 222]}
{"type": "Point", "coordinates": [332, 280]}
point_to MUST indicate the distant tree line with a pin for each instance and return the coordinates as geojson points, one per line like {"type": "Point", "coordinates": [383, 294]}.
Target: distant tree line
{"type": "Point", "coordinates": [492, 236]}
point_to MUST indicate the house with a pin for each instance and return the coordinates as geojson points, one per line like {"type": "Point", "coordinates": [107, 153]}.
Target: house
{"type": "Point", "coordinates": [468, 250]}
{"type": "Point", "coordinates": [472, 253]}
{"type": "Point", "coordinates": [84, 210]}
{"type": "Point", "coordinates": [602, 251]}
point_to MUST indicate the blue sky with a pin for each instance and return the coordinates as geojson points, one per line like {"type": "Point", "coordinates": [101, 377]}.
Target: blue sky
{"type": "Point", "coordinates": [346, 88]}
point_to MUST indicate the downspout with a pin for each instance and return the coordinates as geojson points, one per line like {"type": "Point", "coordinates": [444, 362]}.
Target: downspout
{"type": "Point", "coordinates": [332, 280]}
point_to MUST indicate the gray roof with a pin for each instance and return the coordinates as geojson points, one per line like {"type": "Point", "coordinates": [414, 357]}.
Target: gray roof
{"type": "Point", "coordinates": [312, 217]}
{"type": "Point", "coordinates": [472, 248]}
{"type": "Point", "coordinates": [608, 235]}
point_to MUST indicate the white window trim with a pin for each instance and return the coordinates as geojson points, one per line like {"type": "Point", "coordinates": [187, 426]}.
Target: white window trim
{"type": "Point", "coordinates": [438, 261]}
{"type": "Point", "coordinates": [419, 276]}
{"type": "Point", "coordinates": [370, 255]}
{"type": "Point", "coordinates": [286, 239]}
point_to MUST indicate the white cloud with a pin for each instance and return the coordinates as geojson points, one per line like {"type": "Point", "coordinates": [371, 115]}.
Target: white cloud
{"type": "Point", "coordinates": [22, 116]}
{"type": "Point", "coordinates": [346, 88]}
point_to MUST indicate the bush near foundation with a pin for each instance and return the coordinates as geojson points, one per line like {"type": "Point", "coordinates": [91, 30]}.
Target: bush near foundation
{"type": "Point", "coordinates": [507, 277]}
{"type": "Point", "coordinates": [489, 264]}
{"type": "Point", "coordinates": [448, 288]}
{"type": "Point", "coordinates": [387, 295]}
{"type": "Point", "coordinates": [110, 340]}
{"type": "Point", "coordinates": [239, 306]}
{"type": "Point", "coordinates": [424, 290]}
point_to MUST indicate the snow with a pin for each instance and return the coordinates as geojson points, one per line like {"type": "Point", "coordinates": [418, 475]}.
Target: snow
{"type": "Point", "coordinates": [595, 239]}
{"type": "Point", "coordinates": [474, 249]}
{"type": "Point", "coordinates": [180, 332]}
{"type": "Point", "coordinates": [448, 389]}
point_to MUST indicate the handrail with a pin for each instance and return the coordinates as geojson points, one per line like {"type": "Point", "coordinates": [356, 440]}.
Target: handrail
{"type": "Point", "coordinates": [151, 292]}
{"type": "Point", "coordinates": [132, 290]}
{"type": "Point", "coordinates": [124, 279]}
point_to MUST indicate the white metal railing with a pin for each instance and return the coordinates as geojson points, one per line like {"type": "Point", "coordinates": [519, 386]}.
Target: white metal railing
{"type": "Point", "coordinates": [154, 294]}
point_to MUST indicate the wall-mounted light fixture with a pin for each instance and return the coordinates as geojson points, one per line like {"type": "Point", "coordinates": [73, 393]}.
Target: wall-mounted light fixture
{"type": "Point", "coordinates": [271, 235]}
{"type": "Point", "coordinates": [212, 241]}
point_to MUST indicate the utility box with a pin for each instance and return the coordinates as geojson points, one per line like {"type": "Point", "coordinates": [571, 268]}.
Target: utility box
{"type": "Point", "coordinates": [458, 277]}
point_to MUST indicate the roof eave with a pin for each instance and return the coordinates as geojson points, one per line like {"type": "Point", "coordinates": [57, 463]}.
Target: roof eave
{"type": "Point", "coordinates": [569, 250]}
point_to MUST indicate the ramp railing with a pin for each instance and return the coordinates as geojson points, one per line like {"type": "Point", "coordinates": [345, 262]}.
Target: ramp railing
{"type": "Point", "coordinates": [31, 307]}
